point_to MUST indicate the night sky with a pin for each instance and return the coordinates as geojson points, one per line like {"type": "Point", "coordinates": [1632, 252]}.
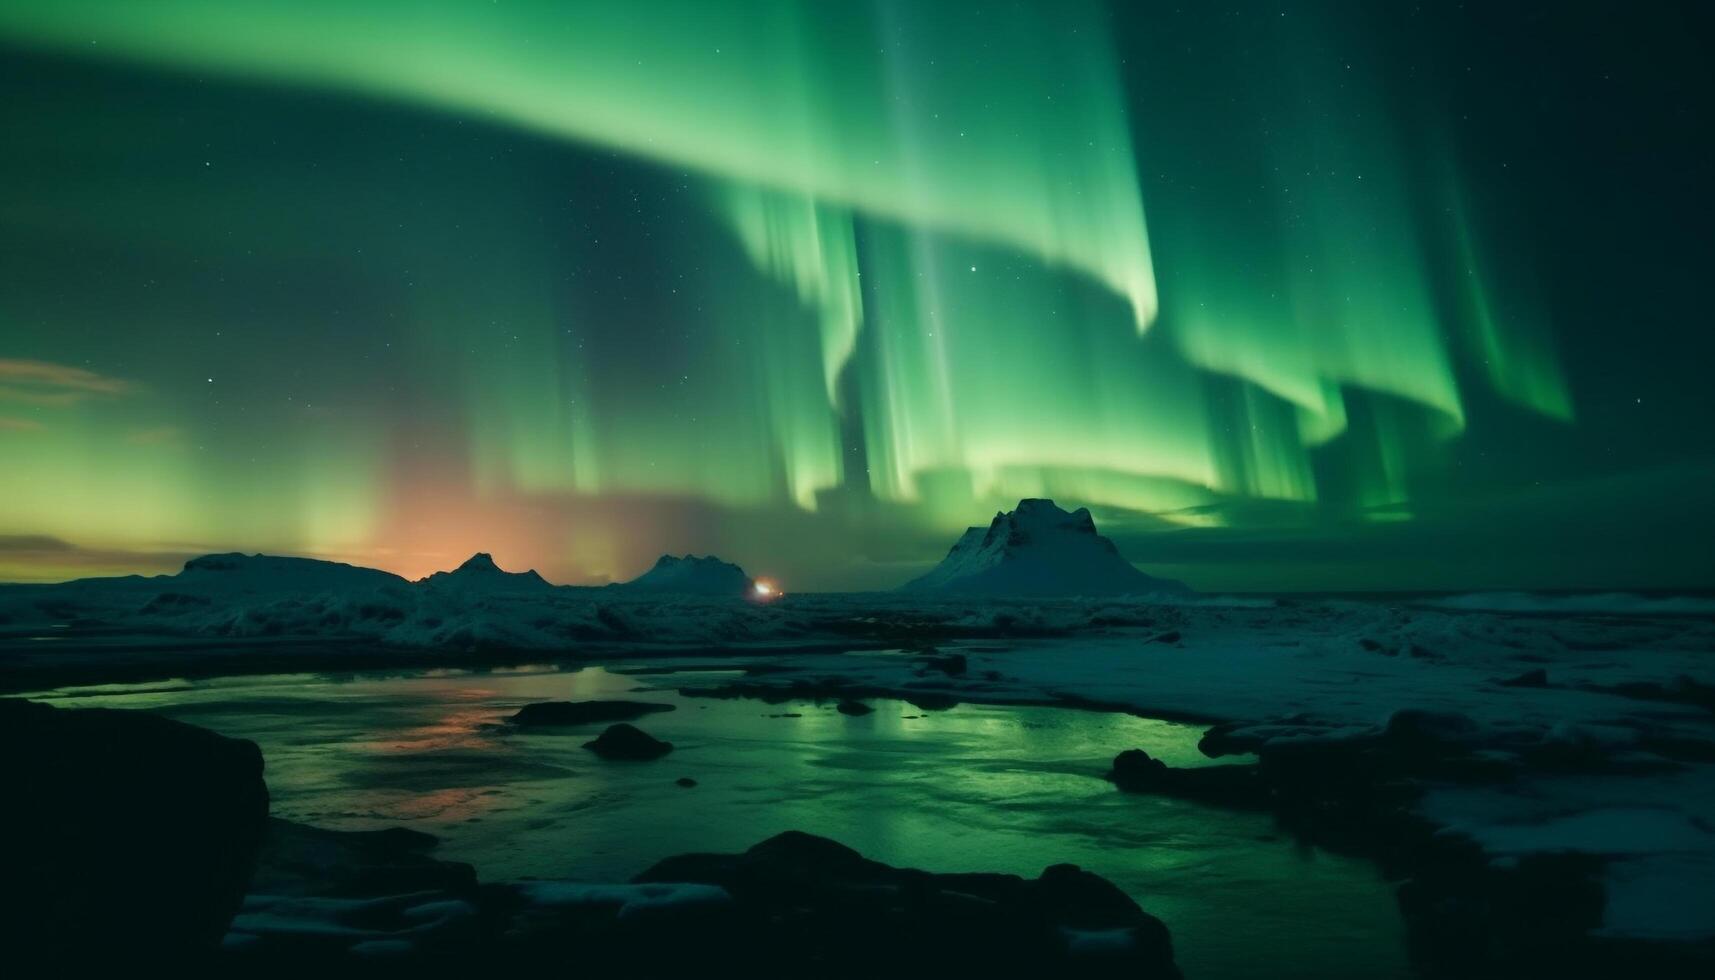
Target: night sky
{"type": "Point", "coordinates": [1291, 295]}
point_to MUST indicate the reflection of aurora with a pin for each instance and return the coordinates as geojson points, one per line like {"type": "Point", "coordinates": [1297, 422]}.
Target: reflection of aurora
{"type": "Point", "coordinates": [893, 251]}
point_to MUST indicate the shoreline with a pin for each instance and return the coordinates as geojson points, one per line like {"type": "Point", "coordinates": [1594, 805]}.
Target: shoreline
{"type": "Point", "coordinates": [1455, 749]}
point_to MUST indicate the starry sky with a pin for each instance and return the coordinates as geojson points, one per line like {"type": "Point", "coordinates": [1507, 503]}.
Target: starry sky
{"type": "Point", "coordinates": [1294, 296]}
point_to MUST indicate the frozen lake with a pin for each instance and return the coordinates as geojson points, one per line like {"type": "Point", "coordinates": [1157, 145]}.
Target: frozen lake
{"type": "Point", "coordinates": [974, 788]}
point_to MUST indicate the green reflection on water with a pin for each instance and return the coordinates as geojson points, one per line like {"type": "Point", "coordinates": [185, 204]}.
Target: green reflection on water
{"type": "Point", "coordinates": [973, 788]}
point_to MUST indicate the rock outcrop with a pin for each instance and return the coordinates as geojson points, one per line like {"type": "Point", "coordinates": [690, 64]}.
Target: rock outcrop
{"type": "Point", "coordinates": [803, 899]}
{"type": "Point", "coordinates": [126, 835]}
{"type": "Point", "coordinates": [794, 903]}
{"type": "Point", "coordinates": [553, 714]}
{"type": "Point", "coordinates": [624, 741]}
{"type": "Point", "coordinates": [1467, 914]}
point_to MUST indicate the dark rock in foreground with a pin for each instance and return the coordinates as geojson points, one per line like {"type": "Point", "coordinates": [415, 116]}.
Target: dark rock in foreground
{"type": "Point", "coordinates": [951, 664]}
{"type": "Point", "coordinates": [1135, 771]}
{"type": "Point", "coordinates": [125, 834]}
{"type": "Point", "coordinates": [554, 713]}
{"type": "Point", "coordinates": [1466, 914]}
{"type": "Point", "coordinates": [792, 904]}
{"type": "Point", "coordinates": [324, 899]}
{"type": "Point", "coordinates": [624, 741]}
{"type": "Point", "coordinates": [299, 860]}
{"type": "Point", "coordinates": [932, 701]}
{"type": "Point", "coordinates": [1530, 678]}
{"type": "Point", "coordinates": [807, 900]}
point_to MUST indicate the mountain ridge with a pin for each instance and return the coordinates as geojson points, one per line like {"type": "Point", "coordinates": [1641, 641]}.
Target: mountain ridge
{"type": "Point", "coordinates": [1038, 549]}
{"type": "Point", "coordinates": [692, 574]}
{"type": "Point", "coordinates": [479, 573]}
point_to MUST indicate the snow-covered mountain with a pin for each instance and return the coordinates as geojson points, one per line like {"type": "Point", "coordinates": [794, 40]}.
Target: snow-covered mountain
{"type": "Point", "coordinates": [692, 575]}
{"type": "Point", "coordinates": [1038, 549]}
{"type": "Point", "coordinates": [479, 574]}
{"type": "Point", "coordinates": [234, 572]}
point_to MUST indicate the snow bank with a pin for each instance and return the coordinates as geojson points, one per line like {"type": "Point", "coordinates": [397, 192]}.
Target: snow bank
{"type": "Point", "coordinates": [1609, 603]}
{"type": "Point", "coordinates": [630, 900]}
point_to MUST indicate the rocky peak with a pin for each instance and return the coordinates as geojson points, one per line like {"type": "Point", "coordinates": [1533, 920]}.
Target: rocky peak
{"type": "Point", "coordinates": [482, 561]}
{"type": "Point", "coordinates": [1038, 548]}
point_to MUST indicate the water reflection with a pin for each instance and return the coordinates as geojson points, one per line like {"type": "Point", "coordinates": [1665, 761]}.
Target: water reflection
{"type": "Point", "coordinates": [971, 788]}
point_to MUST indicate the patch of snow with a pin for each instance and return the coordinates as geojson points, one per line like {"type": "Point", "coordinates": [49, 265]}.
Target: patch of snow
{"type": "Point", "coordinates": [630, 899]}
{"type": "Point", "coordinates": [1608, 832]}
{"type": "Point", "coordinates": [1611, 603]}
{"type": "Point", "coordinates": [382, 948]}
{"type": "Point", "coordinates": [359, 920]}
{"type": "Point", "coordinates": [1660, 896]}
{"type": "Point", "coordinates": [1098, 941]}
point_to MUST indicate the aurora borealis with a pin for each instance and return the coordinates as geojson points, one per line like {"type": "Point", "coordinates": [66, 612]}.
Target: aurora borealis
{"type": "Point", "coordinates": [1292, 296]}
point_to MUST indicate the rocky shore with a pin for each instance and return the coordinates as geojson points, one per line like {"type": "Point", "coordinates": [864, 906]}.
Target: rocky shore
{"type": "Point", "coordinates": [1538, 787]}
{"type": "Point", "coordinates": [149, 843]}
{"type": "Point", "coordinates": [126, 836]}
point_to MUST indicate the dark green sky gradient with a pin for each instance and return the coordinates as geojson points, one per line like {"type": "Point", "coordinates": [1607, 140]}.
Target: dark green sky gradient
{"type": "Point", "coordinates": [1431, 311]}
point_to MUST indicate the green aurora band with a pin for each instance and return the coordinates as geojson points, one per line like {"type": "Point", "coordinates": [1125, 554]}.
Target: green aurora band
{"type": "Point", "coordinates": [878, 265]}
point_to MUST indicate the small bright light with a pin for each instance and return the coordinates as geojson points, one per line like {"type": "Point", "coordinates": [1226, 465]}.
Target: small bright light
{"type": "Point", "coordinates": [763, 588]}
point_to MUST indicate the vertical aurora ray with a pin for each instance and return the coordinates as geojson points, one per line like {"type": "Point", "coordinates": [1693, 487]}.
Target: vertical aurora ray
{"type": "Point", "coordinates": [1514, 347]}
{"type": "Point", "coordinates": [708, 380]}
{"type": "Point", "coordinates": [810, 248]}
{"type": "Point", "coordinates": [1296, 262]}
{"type": "Point", "coordinates": [983, 365]}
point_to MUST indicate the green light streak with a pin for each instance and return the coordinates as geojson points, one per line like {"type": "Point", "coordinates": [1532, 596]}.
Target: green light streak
{"type": "Point", "coordinates": [811, 249]}
{"type": "Point", "coordinates": [813, 100]}
{"type": "Point", "coordinates": [1515, 346]}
